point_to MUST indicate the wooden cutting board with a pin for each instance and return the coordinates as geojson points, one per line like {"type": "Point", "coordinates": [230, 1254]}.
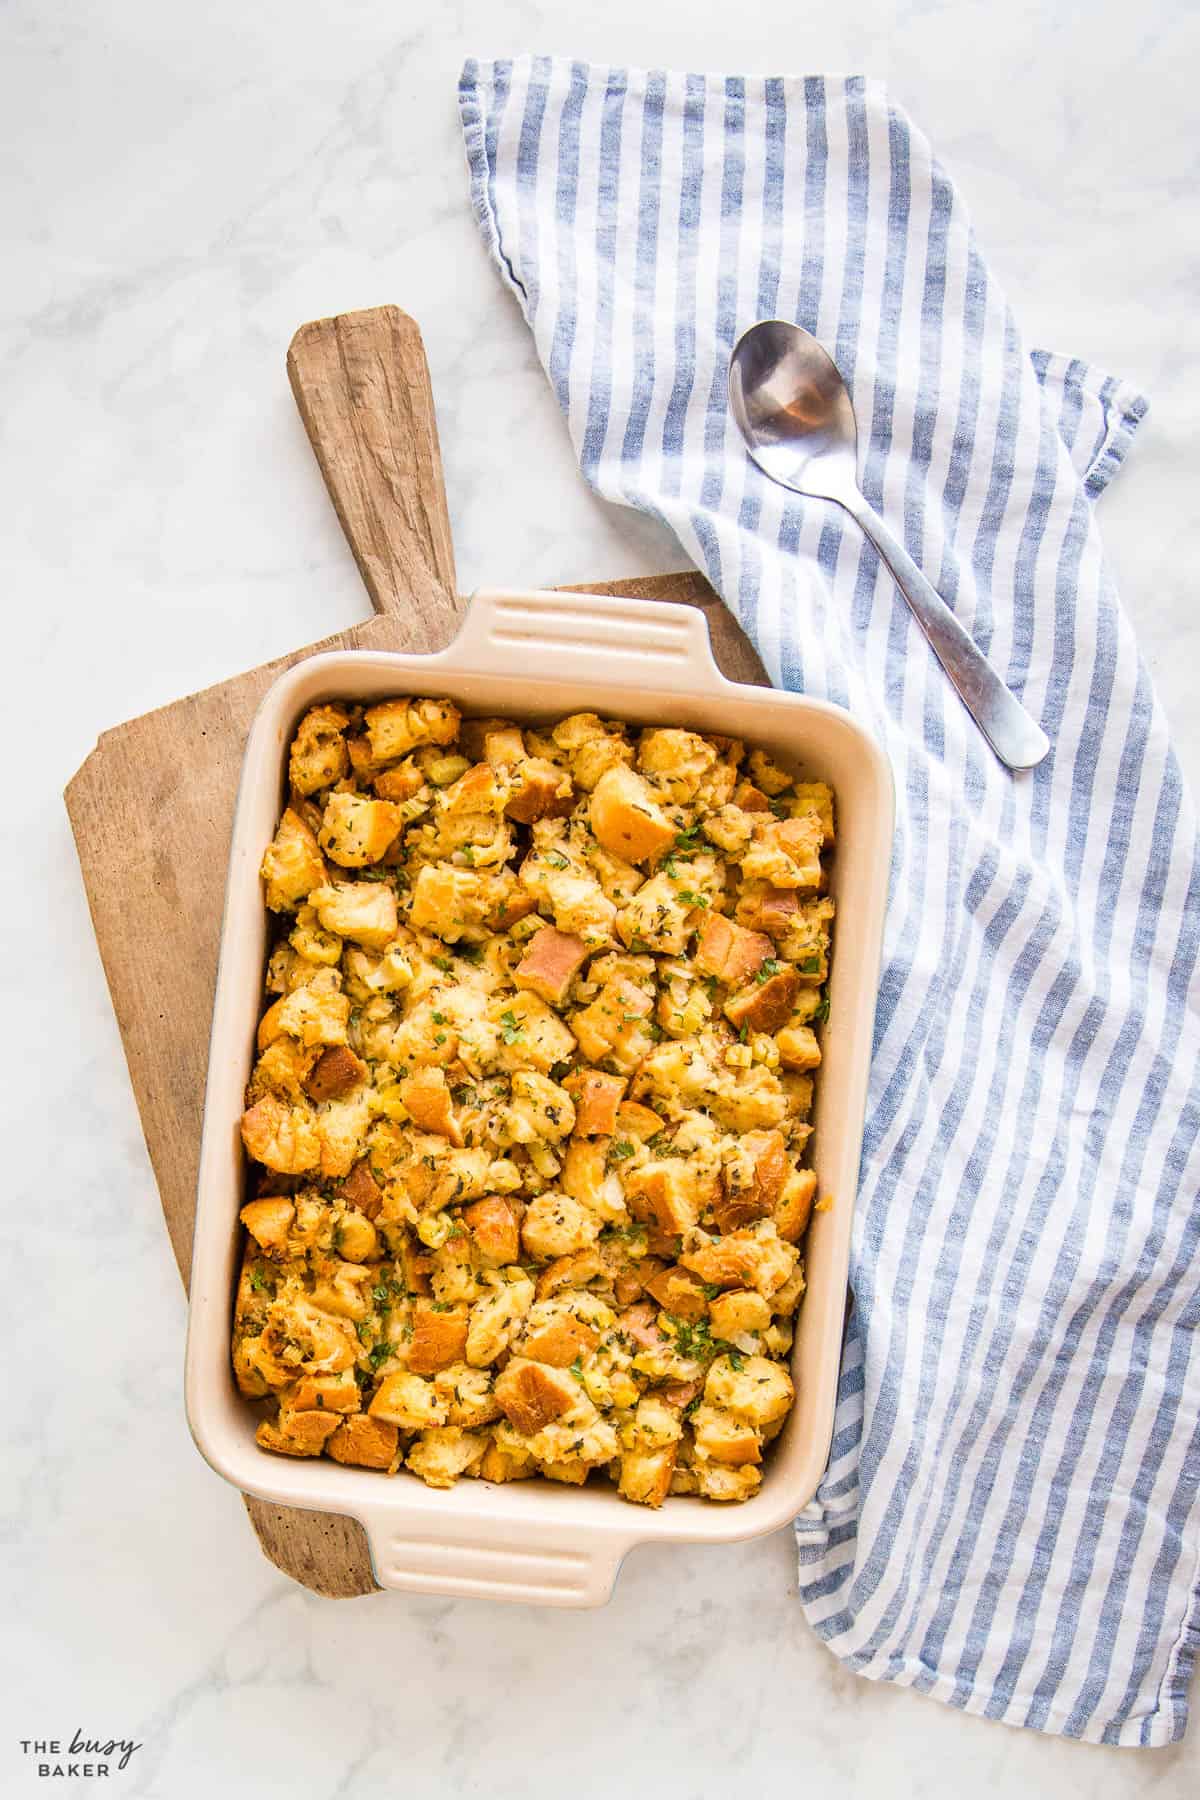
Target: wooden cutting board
{"type": "Point", "coordinates": [152, 807]}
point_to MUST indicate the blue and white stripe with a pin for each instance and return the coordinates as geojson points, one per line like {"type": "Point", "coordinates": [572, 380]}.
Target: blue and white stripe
{"type": "Point", "coordinates": [1011, 1517]}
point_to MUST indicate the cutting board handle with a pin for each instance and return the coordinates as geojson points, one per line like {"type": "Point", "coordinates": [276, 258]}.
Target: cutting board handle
{"type": "Point", "coordinates": [361, 382]}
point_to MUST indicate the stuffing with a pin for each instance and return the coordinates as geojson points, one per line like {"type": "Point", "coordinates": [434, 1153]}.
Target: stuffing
{"type": "Point", "coordinates": [627, 819]}
{"type": "Point", "coordinates": [551, 961]}
{"type": "Point", "coordinates": [399, 726]}
{"type": "Point", "coordinates": [293, 865]}
{"type": "Point", "coordinates": [318, 755]}
{"type": "Point", "coordinates": [531, 1101]}
{"type": "Point", "coordinates": [364, 911]}
{"type": "Point", "coordinates": [356, 832]}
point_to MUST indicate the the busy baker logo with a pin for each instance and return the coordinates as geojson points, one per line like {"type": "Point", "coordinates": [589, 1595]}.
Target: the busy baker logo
{"type": "Point", "coordinates": [78, 1757]}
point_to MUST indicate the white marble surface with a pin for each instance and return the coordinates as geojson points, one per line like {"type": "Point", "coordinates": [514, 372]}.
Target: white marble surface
{"type": "Point", "coordinates": [179, 188]}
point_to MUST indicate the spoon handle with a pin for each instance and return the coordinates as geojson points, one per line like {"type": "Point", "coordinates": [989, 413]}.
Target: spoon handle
{"type": "Point", "coordinates": [1017, 739]}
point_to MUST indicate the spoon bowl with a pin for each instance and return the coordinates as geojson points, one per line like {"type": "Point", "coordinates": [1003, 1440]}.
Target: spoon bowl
{"type": "Point", "coordinates": [797, 420]}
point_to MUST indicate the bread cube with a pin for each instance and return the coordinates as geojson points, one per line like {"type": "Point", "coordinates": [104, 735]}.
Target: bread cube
{"type": "Point", "coordinates": [356, 832]}
{"type": "Point", "coordinates": [366, 1443]}
{"type": "Point", "coordinates": [364, 911]}
{"type": "Point", "coordinates": [627, 819]}
{"type": "Point", "coordinates": [409, 1401]}
{"type": "Point", "coordinates": [441, 1455]}
{"type": "Point", "coordinates": [318, 755]}
{"type": "Point", "coordinates": [399, 726]}
{"type": "Point", "coordinates": [293, 865]}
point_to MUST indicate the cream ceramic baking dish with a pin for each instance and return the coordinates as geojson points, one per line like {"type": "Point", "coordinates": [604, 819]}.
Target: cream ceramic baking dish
{"type": "Point", "coordinates": [539, 656]}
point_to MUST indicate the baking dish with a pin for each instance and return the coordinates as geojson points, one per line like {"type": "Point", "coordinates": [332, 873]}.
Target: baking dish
{"type": "Point", "coordinates": [533, 656]}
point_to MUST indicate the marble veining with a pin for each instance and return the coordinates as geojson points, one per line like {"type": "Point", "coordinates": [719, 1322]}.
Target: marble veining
{"type": "Point", "coordinates": [179, 189]}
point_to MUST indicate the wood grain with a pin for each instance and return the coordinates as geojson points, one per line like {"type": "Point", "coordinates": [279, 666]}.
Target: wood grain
{"type": "Point", "coordinates": [361, 382]}
{"type": "Point", "coordinates": [152, 807]}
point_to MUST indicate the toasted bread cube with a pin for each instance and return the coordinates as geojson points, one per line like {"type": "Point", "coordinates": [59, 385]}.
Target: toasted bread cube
{"type": "Point", "coordinates": [574, 1271]}
{"type": "Point", "coordinates": [678, 759]}
{"type": "Point", "coordinates": [764, 1005]}
{"type": "Point", "coordinates": [366, 1443]}
{"type": "Point", "coordinates": [555, 1225]}
{"type": "Point", "coordinates": [356, 831]}
{"type": "Point", "coordinates": [281, 1137]}
{"type": "Point", "coordinates": [318, 755]}
{"type": "Point", "coordinates": [729, 951]}
{"type": "Point", "coordinates": [678, 1292]}
{"type": "Point", "coordinates": [646, 1475]}
{"type": "Point", "coordinates": [740, 1310]}
{"type": "Point", "coordinates": [784, 852]}
{"type": "Point", "coordinates": [816, 797]}
{"type": "Point", "coordinates": [439, 1336]}
{"type": "Point", "coordinates": [495, 1230]}
{"type": "Point", "coordinates": [762, 907]}
{"type": "Point", "coordinates": [759, 1391]}
{"type": "Point", "coordinates": [323, 1393]}
{"type": "Point", "coordinates": [794, 1207]}
{"type": "Point", "coordinates": [721, 1481]}
{"type": "Point", "coordinates": [532, 1394]}
{"type": "Point", "coordinates": [532, 1037]}
{"type": "Point", "coordinates": [398, 726]}
{"type": "Point", "coordinates": [494, 1317]}
{"type": "Point", "coordinates": [297, 1433]}
{"type": "Point", "coordinates": [449, 902]}
{"type": "Point", "coordinates": [754, 1257]}
{"type": "Point", "coordinates": [614, 1025]}
{"type": "Point", "coordinates": [429, 1103]}
{"type": "Point", "coordinates": [627, 819]}
{"type": "Point", "coordinates": [334, 1074]}
{"type": "Point", "coordinates": [401, 783]}
{"type": "Point", "coordinates": [655, 1423]}
{"type": "Point", "coordinates": [551, 962]}
{"type": "Point", "coordinates": [316, 1014]}
{"type": "Point", "coordinates": [441, 1455]}
{"type": "Point", "coordinates": [407, 1400]}
{"type": "Point", "coordinates": [467, 1394]}
{"type": "Point", "coordinates": [341, 1129]}
{"type": "Point", "coordinates": [753, 1171]}
{"type": "Point", "coordinates": [573, 1471]}
{"type": "Point", "coordinates": [293, 865]}
{"type": "Point", "coordinates": [724, 1438]}
{"type": "Point", "coordinates": [559, 1341]}
{"type": "Point", "coordinates": [597, 1097]}
{"type": "Point", "coordinates": [504, 1460]}
{"type": "Point", "coordinates": [362, 1190]}
{"type": "Point", "coordinates": [657, 916]}
{"type": "Point", "coordinates": [663, 1192]}
{"type": "Point", "coordinates": [268, 1222]}
{"type": "Point", "coordinates": [584, 1175]}
{"type": "Point", "coordinates": [364, 911]}
{"type": "Point", "coordinates": [539, 1108]}
{"type": "Point", "coordinates": [539, 791]}
{"type": "Point", "coordinates": [798, 1046]}
{"type": "Point", "coordinates": [749, 798]}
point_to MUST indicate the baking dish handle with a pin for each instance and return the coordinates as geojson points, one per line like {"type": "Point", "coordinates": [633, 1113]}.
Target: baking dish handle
{"type": "Point", "coordinates": [631, 642]}
{"type": "Point", "coordinates": [553, 1566]}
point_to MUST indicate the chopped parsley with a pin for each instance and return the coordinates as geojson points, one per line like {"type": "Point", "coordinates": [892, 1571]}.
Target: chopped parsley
{"type": "Point", "coordinates": [577, 1368]}
{"type": "Point", "coordinates": [443, 963]}
{"type": "Point", "coordinates": [770, 966]}
{"type": "Point", "coordinates": [258, 1280]}
{"type": "Point", "coordinates": [555, 859]}
{"type": "Point", "coordinates": [811, 965]}
{"type": "Point", "coordinates": [379, 1355]}
{"type": "Point", "coordinates": [511, 1027]}
{"type": "Point", "coordinates": [620, 1150]}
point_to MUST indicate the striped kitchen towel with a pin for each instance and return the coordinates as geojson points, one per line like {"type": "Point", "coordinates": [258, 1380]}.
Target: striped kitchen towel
{"type": "Point", "coordinates": [1011, 1518]}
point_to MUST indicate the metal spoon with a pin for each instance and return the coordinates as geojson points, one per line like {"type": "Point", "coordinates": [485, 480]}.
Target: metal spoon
{"type": "Point", "coordinates": [792, 408]}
